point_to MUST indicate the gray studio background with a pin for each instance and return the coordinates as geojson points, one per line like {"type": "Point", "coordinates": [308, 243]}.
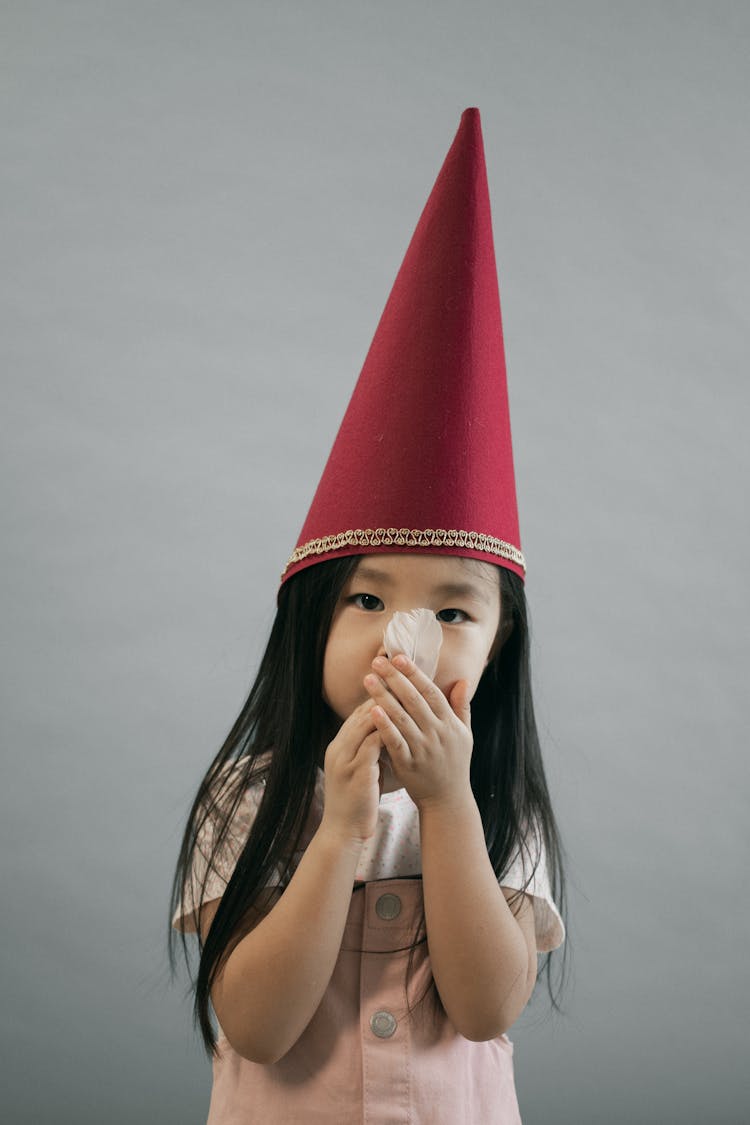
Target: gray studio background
{"type": "Point", "coordinates": [204, 206]}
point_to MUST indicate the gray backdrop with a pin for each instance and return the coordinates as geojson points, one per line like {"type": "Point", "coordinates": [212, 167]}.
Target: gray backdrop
{"type": "Point", "coordinates": [204, 206]}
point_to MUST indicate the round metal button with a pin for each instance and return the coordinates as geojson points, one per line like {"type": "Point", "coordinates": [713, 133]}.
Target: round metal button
{"type": "Point", "coordinates": [383, 1024]}
{"type": "Point", "coordinates": [388, 907]}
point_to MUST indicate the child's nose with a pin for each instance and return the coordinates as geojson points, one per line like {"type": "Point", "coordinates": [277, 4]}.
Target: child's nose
{"type": "Point", "coordinates": [382, 651]}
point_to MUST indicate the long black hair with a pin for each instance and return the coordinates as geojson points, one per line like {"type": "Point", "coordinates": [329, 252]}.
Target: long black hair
{"type": "Point", "coordinates": [285, 713]}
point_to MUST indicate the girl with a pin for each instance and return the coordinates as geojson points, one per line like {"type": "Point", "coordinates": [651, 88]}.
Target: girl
{"type": "Point", "coordinates": [371, 862]}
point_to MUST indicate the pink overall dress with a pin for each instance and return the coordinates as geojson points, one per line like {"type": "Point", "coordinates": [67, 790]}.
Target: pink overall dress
{"type": "Point", "coordinates": [363, 1060]}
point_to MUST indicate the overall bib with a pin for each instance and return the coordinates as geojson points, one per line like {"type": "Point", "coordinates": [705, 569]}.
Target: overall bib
{"type": "Point", "coordinates": [363, 1059]}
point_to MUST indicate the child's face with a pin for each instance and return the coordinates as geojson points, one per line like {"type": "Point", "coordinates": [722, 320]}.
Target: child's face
{"type": "Point", "coordinates": [383, 584]}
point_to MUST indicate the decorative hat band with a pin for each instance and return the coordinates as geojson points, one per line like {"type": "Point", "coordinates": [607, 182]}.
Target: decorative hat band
{"type": "Point", "coordinates": [406, 537]}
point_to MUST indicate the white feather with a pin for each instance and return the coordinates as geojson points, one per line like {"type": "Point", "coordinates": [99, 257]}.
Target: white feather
{"type": "Point", "coordinates": [416, 633]}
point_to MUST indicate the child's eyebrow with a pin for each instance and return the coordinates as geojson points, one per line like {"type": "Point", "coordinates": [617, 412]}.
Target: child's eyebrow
{"type": "Point", "coordinates": [445, 589]}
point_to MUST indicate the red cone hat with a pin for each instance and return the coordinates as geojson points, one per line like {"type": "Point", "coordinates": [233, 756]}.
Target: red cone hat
{"type": "Point", "coordinates": [423, 461]}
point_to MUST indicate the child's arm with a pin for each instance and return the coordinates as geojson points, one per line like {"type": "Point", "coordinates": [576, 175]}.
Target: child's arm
{"type": "Point", "coordinates": [483, 958]}
{"type": "Point", "coordinates": [275, 977]}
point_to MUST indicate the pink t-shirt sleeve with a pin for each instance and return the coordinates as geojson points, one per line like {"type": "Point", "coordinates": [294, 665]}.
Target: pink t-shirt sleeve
{"type": "Point", "coordinates": [209, 877]}
{"type": "Point", "coordinates": [550, 931]}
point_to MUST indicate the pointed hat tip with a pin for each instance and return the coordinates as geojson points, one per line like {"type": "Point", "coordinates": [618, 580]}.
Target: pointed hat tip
{"type": "Point", "coordinates": [470, 115]}
{"type": "Point", "coordinates": [470, 124]}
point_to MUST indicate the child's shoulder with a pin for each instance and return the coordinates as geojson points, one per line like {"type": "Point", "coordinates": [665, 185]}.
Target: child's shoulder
{"type": "Point", "coordinates": [237, 786]}
{"type": "Point", "coordinates": [248, 771]}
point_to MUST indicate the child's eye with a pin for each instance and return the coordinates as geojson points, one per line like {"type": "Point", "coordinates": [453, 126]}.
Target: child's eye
{"type": "Point", "coordinates": [464, 616]}
{"type": "Point", "coordinates": [365, 597]}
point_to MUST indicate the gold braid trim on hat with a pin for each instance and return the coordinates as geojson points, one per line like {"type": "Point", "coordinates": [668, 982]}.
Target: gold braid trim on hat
{"type": "Point", "coordinates": [406, 537]}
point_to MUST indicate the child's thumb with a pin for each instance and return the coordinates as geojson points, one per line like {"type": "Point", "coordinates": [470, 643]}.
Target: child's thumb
{"type": "Point", "coordinates": [460, 701]}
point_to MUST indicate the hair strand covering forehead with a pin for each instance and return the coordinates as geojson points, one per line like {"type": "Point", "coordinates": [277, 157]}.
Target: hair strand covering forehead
{"type": "Point", "coordinates": [423, 460]}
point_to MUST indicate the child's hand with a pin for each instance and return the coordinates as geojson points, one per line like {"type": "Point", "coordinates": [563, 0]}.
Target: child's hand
{"type": "Point", "coordinates": [428, 739]}
{"type": "Point", "coordinates": [352, 773]}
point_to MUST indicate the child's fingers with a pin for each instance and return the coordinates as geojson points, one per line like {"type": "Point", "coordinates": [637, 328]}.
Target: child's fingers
{"type": "Point", "coordinates": [391, 737]}
{"type": "Point", "coordinates": [353, 782]}
{"type": "Point", "coordinates": [352, 729]}
{"type": "Point", "coordinates": [394, 708]}
{"type": "Point", "coordinates": [352, 733]}
{"type": "Point", "coordinates": [416, 693]}
{"type": "Point", "coordinates": [371, 746]}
